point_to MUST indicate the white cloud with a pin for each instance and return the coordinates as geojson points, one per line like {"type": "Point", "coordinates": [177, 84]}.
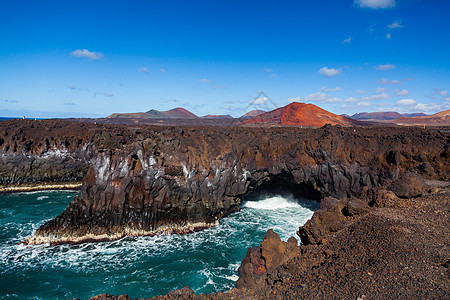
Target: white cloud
{"type": "Point", "coordinates": [360, 91]}
{"type": "Point", "coordinates": [85, 53]}
{"type": "Point", "coordinates": [376, 97]}
{"type": "Point", "coordinates": [329, 72]}
{"type": "Point", "coordinates": [385, 67]}
{"type": "Point", "coordinates": [429, 107]}
{"type": "Point", "coordinates": [401, 93]}
{"type": "Point", "coordinates": [347, 40]}
{"type": "Point", "coordinates": [381, 90]}
{"type": "Point", "coordinates": [444, 93]}
{"type": "Point", "coordinates": [260, 100]}
{"type": "Point", "coordinates": [388, 36]}
{"type": "Point", "coordinates": [386, 81]}
{"type": "Point", "coordinates": [162, 70]}
{"type": "Point", "coordinates": [396, 24]}
{"type": "Point", "coordinates": [274, 75]}
{"type": "Point", "coordinates": [103, 94]}
{"type": "Point", "coordinates": [204, 80]}
{"type": "Point", "coordinates": [363, 104]}
{"type": "Point", "coordinates": [143, 70]}
{"type": "Point", "coordinates": [406, 102]}
{"type": "Point", "coordinates": [325, 98]}
{"type": "Point", "coordinates": [325, 89]}
{"type": "Point", "coordinates": [268, 70]}
{"type": "Point", "coordinates": [375, 4]}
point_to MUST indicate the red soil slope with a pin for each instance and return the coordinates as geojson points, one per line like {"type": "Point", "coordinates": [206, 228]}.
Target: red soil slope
{"type": "Point", "coordinates": [179, 113]}
{"type": "Point", "coordinates": [302, 114]}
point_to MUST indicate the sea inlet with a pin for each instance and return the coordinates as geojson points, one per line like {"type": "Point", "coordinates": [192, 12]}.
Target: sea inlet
{"type": "Point", "coordinates": [206, 261]}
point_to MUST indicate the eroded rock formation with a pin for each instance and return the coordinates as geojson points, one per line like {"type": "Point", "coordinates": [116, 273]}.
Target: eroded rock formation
{"type": "Point", "coordinates": [178, 179]}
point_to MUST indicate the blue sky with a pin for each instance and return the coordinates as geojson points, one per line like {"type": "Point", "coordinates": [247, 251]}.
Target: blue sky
{"type": "Point", "coordinates": [94, 58]}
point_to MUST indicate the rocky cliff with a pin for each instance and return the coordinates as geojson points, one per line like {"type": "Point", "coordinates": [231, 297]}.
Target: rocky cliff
{"type": "Point", "coordinates": [143, 181]}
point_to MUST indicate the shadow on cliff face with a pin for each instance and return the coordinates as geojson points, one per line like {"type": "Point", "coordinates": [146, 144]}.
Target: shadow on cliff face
{"type": "Point", "coordinates": [284, 185]}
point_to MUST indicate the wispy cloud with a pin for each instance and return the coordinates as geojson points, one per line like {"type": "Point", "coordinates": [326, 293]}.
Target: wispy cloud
{"type": "Point", "coordinates": [325, 89]}
{"type": "Point", "coordinates": [444, 93]}
{"type": "Point", "coordinates": [401, 93]}
{"type": "Point", "coordinates": [103, 94]}
{"type": "Point", "coordinates": [204, 81]}
{"type": "Point", "coordinates": [385, 67]}
{"type": "Point", "coordinates": [326, 98]}
{"type": "Point", "coordinates": [143, 70]}
{"type": "Point", "coordinates": [377, 97]}
{"type": "Point", "coordinates": [73, 87]}
{"type": "Point", "coordinates": [347, 40]}
{"type": "Point", "coordinates": [406, 102]}
{"type": "Point", "coordinates": [273, 75]}
{"type": "Point", "coordinates": [260, 100]}
{"type": "Point", "coordinates": [375, 4]}
{"type": "Point", "coordinates": [329, 72]}
{"type": "Point", "coordinates": [69, 104]}
{"type": "Point", "coordinates": [85, 53]}
{"type": "Point", "coordinates": [8, 101]}
{"type": "Point", "coordinates": [429, 107]}
{"type": "Point", "coordinates": [386, 81]}
{"type": "Point", "coordinates": [388, 36]}
{"type": "Point", "coordinates": [381, 90]}
{"type": "Point", "coordinates": [162, 70]}
{"type": "Point", "coordinates": [396, 24]}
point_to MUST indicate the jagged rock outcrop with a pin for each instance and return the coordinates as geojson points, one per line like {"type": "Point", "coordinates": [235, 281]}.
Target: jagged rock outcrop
{"type": "Point", "coordinates": [178, 179]}
{"type": "Point", "coordinates": [376, 252]}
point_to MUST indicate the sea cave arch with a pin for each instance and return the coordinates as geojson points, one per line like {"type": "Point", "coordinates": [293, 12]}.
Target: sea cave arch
{"type": "Point", "coordinates": [282, 184]}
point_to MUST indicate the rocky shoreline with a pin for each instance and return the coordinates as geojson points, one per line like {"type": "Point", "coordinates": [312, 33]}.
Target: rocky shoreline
{"type": "Point", "coordinates": [164, 179]}
{"type": "Point", "coordinates": [377, 247]}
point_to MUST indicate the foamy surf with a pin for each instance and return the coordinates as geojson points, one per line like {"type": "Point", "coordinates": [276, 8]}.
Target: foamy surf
{"type": "Point", "coordinates": [275, 202]}
{"type": "Point", "coordinates": [207, 261]}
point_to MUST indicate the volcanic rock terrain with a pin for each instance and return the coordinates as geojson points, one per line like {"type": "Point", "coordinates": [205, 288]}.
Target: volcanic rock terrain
{"type": "Point", "coordinates": [381, 231]}
{"type": "Point", "coordinates": [166, 179]}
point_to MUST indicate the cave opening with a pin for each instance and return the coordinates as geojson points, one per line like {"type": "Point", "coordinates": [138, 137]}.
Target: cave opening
{"type": "Point", "coordinates": [284, 185]}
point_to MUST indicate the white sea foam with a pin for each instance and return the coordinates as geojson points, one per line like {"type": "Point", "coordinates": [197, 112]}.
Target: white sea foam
{"type": "Point", "coordinates": [275, 202]}
{"type": "Point", "coordinates": [42, 197]}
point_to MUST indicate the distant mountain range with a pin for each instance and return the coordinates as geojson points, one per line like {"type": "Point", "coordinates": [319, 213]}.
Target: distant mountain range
{"type": "Point", "coordinates": [383, 116]}
{"type": "Point", "coordinates": [294, 114]}
{"type": "Point", "coordinates": [440, 118]}
{"type": "Point", "coordinates": [176, 113]}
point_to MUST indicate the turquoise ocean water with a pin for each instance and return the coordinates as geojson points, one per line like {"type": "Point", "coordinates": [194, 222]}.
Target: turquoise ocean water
{"type": "Point", "coordinates": [206, 261]}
